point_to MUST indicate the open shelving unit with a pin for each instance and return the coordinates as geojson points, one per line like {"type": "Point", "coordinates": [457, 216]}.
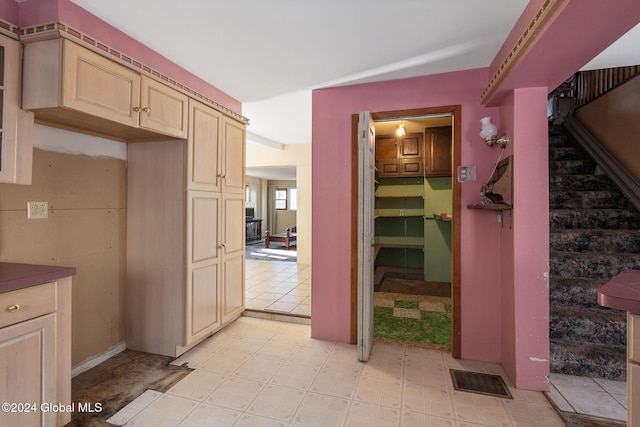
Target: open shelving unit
{"type": "Point", "coordinates": [399, 214]}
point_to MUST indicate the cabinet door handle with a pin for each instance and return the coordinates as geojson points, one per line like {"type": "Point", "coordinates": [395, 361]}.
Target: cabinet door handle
{"type": "Point", "coordinates": [145, 110]}
{"type": "Point", "coordinates": [13, 308]}
{"type": "Point", "coordinates": [221, 246]}
{"type": "Point", "coordinates": [136, 109]}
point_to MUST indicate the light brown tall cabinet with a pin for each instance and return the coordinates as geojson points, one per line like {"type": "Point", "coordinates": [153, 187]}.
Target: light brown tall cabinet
{"type": "Point", "coordinates": [185, 185]}
{"type": "Point", "coordinates": [16, 125]}
{"type": "Point", "coordinates": [185, 234]}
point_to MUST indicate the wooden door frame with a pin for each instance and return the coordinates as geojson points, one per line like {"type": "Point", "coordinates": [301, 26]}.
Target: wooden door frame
{"type": "Point", "coordinates": [455, 111]}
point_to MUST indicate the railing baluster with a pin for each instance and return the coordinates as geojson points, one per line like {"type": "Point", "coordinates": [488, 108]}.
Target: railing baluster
{"type": "Point", "coordinates": [589, 85]}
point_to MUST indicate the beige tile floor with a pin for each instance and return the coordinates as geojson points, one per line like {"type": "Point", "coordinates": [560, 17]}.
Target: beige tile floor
{"type": "Point", "coordinates": [278, 286]}
{"type": "Point", "coordinates": [259, 372]}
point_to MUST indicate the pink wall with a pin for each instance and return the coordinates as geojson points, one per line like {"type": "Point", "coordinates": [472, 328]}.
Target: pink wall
{"type": "Point", "coordinates": [9, 12]}
{"type": "Point", "coordinates": [579, 31]}
{"type": "Point", "coordinates": [559, 50]}
{"type": "Point", "coordinates": [34, 12]}
{"type": "Point", "coordinates": [525, 242]}
{"type": "Point", "coordinates": [331, 153]}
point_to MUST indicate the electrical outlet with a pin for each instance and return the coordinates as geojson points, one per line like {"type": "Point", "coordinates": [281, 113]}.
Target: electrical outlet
{"type": "Point", "coordinates": [466, 173]}
{"type": "Point", "coordinates": [37, 210]}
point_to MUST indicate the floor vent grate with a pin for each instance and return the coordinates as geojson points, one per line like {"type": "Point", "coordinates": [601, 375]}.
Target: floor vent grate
{"type": "Point", "coordinates": [476, 382]}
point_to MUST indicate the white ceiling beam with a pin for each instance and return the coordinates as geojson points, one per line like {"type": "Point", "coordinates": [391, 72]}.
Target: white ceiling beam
{"type": "Point", "coordinates": [255, 139]}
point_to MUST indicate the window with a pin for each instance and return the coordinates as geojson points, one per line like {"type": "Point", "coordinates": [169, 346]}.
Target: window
{"type": "Point", "coordinates": [293, 199]}
{"type": "Point", "coordinates": [281, 198]}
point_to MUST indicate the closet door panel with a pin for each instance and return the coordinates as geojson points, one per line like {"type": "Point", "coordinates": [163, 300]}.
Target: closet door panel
{"type": "Point", "coordinates": [205, 136]}
{"type": "Point", "coordinates": [203, 226]}
{"type": "Point", "coordinates": [234, 224]}
{"type": "Point", "coordinates": [204, 293]}
{"type": "Point", "coordinates": [233, 157]}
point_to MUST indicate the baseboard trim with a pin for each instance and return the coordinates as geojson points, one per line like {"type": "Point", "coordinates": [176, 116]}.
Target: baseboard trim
{"type": "Point", "coordinates": [280, 317]}
{"type": "Point", "coordinates": [96, 360]}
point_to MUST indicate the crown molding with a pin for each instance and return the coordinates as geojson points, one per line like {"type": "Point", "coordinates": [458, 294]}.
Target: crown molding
{"type": "Point", "coordinates": [55, 30]}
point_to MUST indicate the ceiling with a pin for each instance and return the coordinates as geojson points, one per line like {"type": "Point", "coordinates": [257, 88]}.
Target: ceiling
{"type": "Point", "coordinates": [270, 54]}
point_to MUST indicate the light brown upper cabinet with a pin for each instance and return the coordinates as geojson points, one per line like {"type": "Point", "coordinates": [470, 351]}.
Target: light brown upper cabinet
{"type": "Point", "coordinates": [16, 125]}
{"type": "Point", "coordinates": [67, 84]}
{"type": "Point", "coordinates": [215, 151]}
{"type": "Point", "coordinates": [438, 151]}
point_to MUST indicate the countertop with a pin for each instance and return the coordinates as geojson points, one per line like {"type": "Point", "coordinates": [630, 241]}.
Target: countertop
{"type": "Point", "coordinates": [17, 276]}
{"type": "Point", "coordinates": [622, 292]}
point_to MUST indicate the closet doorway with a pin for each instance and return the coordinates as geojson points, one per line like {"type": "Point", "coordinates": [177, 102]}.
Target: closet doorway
{"type": "Point", "coordinates": [417, 227]}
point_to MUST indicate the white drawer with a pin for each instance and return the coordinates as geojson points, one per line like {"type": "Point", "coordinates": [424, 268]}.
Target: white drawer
{"type": "Point", "coordinates": [27, 303]}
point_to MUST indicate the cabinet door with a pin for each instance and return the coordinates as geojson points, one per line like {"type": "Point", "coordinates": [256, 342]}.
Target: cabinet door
{"type": "Point", "coordinates": [205, 134]}
{"type": "Point", "coordinates": [233, 229]}
{"type": "Point", "coordinates": [438, 146]}
{"type": "Point", "coordinates": [411, 146]}
{"type": "Point", "coordinates": [233, 156]}
{"type": "Point", "coordinates": [386, 147]}
{"type": "Point", "coordinates": [400, 168]}
{"type": "Point", "coordinates": [163, 109]}
{"type": "Point", "coordinates": [15, 125]}
{"type": "Point", "coordinates": [27, 365]}
{"type": "Point", "coordinates": [203, 261]}
{"type": "Point", "coordinates": [98, 86]}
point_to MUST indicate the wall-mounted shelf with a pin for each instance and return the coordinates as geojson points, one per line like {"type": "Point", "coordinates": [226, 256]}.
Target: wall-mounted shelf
{"type": "Point", "coordinates": [400, 191]}
{"type": "Point", "coordinates": [491, 206]}
{"type": "Point", "coordinates": [442, 217]}
{"type": "Point", "coordinates": [495, 207]}
{"type": "Point", "coordinates": [398, 213]}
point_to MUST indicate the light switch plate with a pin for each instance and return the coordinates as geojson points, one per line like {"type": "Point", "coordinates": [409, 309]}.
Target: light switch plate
{"type": "Point", "coordinates": [466, 173]}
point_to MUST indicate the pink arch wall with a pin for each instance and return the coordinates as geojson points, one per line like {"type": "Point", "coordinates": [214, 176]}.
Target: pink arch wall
{"type": "Point", "coordinates": [331, 160]}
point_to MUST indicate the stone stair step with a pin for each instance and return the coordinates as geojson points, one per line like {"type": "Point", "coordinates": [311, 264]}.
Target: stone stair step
{"type": "Point", "coordinates": [560, 140]}
{"type": "Point", "coordinates": [588, 360]}
{"type": "Point", "coordinates": [595, 325]}
{"type": "Point", "coordinates": [595, 240]}
{"type": "Point", "coordinates": [562, 183]}
{"type": "Point", "coordinates": [591, 265]}
{"type": "Point", "coordinates": [576, 292]}
{"type": "Point", "coordinates": [598, 199]}
{"type": "Point", "coordinates": [571, 167]}
{"type": "Point", "coordinates": [593, 218]}
{"type": "Point", "coordinates": [557, 130]}
{"type": "Point", "coordinates": [594, 235]}
{"type": "Point", "coordinates": [565, 152]}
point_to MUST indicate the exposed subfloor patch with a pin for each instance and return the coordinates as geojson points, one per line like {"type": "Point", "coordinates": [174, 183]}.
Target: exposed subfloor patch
{"type": "Point", "coordinates": [481, 383]}
{"type": "Point", "coordinates": [119, 380]}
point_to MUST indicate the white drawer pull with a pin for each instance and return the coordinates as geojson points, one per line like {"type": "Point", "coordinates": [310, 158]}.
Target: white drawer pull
{"type": "Point", "coordinates": [13, 308]}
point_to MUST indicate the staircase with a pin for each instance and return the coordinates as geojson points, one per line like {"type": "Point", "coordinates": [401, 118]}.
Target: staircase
{"type": "Point", "coordinates": [594, 235]}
